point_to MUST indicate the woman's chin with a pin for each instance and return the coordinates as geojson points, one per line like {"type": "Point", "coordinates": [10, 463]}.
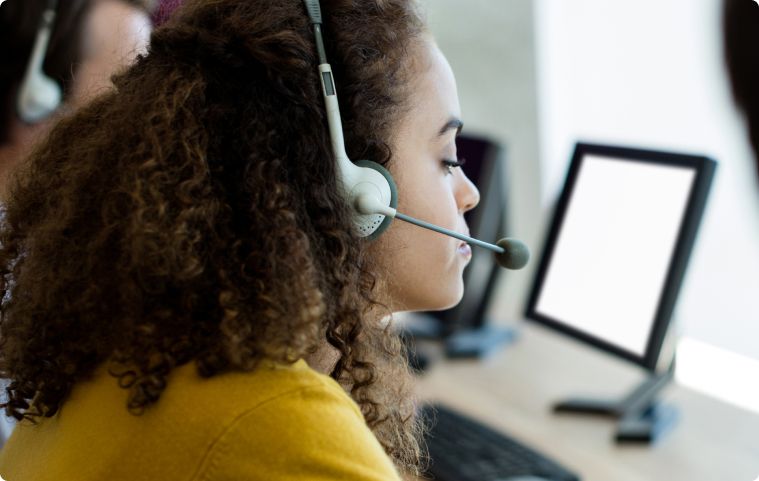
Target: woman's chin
{"type": "Point", "coordinates": [442, 300]}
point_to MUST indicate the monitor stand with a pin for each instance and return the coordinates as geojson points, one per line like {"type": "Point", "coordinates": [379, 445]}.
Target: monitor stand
{"type": "Point", "coordinates": [478, 342]}
{"type": "Point", "coordinates": [642, 418]}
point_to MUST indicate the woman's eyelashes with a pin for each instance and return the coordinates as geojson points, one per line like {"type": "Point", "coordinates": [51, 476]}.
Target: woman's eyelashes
{"type": "Point", "coordinates": [450, 164]}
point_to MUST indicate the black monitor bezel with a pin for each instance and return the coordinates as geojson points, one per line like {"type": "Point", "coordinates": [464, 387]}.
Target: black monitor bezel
{"type": "Point", "coordinates": [705, 168]}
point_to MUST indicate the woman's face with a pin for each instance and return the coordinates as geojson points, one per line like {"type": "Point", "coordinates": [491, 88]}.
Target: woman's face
{"type": "Point", "coordinates": [114, 34]}
{"type": "Point", "coordinates": [424, 267]}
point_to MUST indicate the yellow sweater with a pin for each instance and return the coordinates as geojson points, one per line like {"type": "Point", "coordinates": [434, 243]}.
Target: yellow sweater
{"type": "Point", "coordinates": [279, 422]}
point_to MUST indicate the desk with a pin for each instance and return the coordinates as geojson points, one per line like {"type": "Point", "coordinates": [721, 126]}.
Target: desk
{"type": "Point", "coordinates": [514, 389]}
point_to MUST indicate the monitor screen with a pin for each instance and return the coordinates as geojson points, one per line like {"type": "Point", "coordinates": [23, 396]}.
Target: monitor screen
{"type": "Point", "coordinates": [613, 245]}
{"type": "Point", "coordinates": [614, 248]}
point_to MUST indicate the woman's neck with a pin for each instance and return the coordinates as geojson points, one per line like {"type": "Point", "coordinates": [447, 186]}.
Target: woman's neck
{"type": "Point", "coordinates": [324, 359]}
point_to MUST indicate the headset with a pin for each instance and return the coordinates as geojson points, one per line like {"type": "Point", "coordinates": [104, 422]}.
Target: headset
{"type": "Point", "coordinates": [39, 95]}
{"type": "Point", "coordinates": [364, 180]}
{"type": "Point", "coordinates": [369, 188]}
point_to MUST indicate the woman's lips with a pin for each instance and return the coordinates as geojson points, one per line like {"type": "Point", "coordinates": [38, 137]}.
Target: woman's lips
{"type": "Point", "coordinates": [465, 250]}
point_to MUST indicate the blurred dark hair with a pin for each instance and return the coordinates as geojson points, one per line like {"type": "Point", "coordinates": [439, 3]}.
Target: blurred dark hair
{"type": "Point", "coordinates": [19, 21]}
{"type": "Point", "coordinates": [192, 214]}
{"type": "Point", "coordinates": [741, 30]}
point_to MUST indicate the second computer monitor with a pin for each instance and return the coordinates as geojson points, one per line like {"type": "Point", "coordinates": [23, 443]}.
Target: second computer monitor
{"type": "Point", "coordinates": [618, 246]}
{"type": "Point", "coordinates": [485, 167]}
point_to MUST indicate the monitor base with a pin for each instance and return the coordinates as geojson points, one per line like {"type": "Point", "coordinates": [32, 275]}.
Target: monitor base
{"type": "Point", "coordinates": [642, 419]}
{"type": "Point", "coordinates": [420, 325]}
{"type": "Point", "coordinates": [648, 426]}
{"type": "Point", "coordinates": [479, 342]}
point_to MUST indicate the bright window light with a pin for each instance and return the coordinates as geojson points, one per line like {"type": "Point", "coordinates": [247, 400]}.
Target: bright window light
{"type": "Point", "coordinates": [720, 373]}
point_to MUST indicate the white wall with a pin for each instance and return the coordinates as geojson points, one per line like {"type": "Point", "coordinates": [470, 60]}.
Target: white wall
{"type": "Point", "coordinates": [649, 73]}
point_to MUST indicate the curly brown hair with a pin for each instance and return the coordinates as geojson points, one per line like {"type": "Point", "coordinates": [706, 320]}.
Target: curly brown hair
{"type": "Point", "coordinates": [192, 214]}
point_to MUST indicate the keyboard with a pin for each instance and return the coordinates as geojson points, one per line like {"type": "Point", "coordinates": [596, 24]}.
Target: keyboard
{"type": "Point", "coordinates": [462, 449]}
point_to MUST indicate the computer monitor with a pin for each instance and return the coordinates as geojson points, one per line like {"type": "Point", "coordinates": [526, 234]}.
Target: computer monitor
{"type": "Point", "coordinates": [618, 246]}
{"type": "Point", "coordinates": [612, 266]}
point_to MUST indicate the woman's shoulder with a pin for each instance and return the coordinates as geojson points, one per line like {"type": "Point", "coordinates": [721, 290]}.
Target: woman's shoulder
{"type": "Point", "coordinates": [207, 405]}
{"type": "Point", "coordinates": [307, 427]}
{"type": "Point", "coordinates": [245, 390]}
{"type": "Point", "coordinates": [278, 422]}
{"type": "Point", "coordinates": [283, 422]}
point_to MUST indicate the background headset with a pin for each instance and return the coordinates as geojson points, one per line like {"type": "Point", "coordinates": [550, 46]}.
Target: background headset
{"type": "Point", "coordinates": [39, 95]}
{"type": "Point", "coordinates": [369, 187]}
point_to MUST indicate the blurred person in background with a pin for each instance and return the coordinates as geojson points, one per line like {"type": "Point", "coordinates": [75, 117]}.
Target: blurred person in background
{"type": "Point", "coordinates": [741, 35]}
{"type": "Point", "coordinates": [90, 40]}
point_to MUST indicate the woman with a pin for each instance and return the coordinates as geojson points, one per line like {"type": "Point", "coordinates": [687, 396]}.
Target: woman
{"type": "Point", "coordinates": [186, 296]}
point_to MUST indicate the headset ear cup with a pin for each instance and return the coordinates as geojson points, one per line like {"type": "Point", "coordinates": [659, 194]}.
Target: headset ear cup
{"type": "Point", "coordinates": [393, 194]}
{"type": "Point", "coordinates": [39, 98]}
{"type": "Point", "coordinates": [39, 95]}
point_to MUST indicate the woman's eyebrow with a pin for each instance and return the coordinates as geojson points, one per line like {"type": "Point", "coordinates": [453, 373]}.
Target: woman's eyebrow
{"type": "Point", "coordinates": [453, 123]}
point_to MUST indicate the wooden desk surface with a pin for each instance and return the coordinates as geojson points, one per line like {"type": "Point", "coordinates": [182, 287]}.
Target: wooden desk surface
{"type": "Point", "coordinates": [514, 390]}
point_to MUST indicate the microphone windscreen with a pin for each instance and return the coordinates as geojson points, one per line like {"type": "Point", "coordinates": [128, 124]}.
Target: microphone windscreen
{"type": "Point", "coordinates": [515, 254]}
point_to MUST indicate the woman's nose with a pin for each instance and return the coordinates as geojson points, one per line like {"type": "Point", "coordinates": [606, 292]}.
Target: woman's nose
{"type": "Point", "coordinates": [468, 196]}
